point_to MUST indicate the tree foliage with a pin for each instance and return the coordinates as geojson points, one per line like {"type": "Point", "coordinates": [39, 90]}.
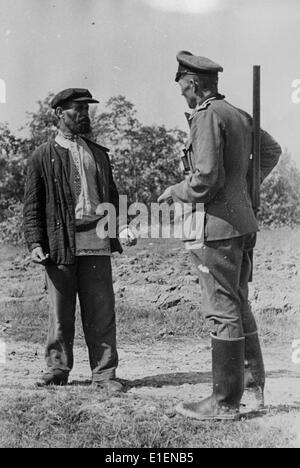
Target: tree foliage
{"type": "Point", "coordinates": [145, 160]}
{"type": "Point", "coordinates": [280, 195]}
{"type": "Point", "coordinates": [42, 123]}
{"type": "Point", "coordinates": [13, 154]}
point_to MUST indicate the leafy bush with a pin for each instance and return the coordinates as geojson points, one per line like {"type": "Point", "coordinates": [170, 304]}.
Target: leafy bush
{"type": "Point", "coordinates": [14, 152]}
{"type": "Point", "coordinates": [42, 124]}
{"type": "Point", "coordinates": [280, 195]}
{"type": "Point", "coordinates": [13, 155]}
{"type": "Point", "coordinates": [145, 158]}
{"type": "Point", "coordinates": [11, 229]}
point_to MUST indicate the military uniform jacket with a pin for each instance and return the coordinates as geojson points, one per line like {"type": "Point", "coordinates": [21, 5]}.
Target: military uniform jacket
{"type": "Point", "coordinates": [219, 150]}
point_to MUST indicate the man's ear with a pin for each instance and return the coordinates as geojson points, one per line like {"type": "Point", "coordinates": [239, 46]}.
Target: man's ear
{"type": "Point", "coordinates": [193, 84]}
{"type": "Point", "coordinates": [59, 112]}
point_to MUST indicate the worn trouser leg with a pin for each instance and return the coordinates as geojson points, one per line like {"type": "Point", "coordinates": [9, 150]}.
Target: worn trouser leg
{"type": "Point", "coordinates": [96, 298]}
{"type": "Point", "coordinates": [248, 320]}
{"type": "Point", "coordinates": [61, 283]}
{"type": "Point", "coordinates": [219, 267]}
{"type": "Point", "coordinates": [254, 364]}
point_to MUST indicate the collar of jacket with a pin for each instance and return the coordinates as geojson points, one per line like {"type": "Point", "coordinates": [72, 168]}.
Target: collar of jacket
{"type": "Point", "coordinates": [94, 147]}
{"type": "Point", "coordinates": [58, 147]}
{"type": "Point", "coordinates": [204, 105]}
{"type": "Point", "coordinates": [89, 142]}
{"type": "Point", "coordinates": [67, 136]}
{"type": "Point", "coordinates": [92, 143]}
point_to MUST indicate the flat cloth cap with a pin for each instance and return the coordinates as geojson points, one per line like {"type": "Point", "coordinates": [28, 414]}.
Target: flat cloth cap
{"type": "Point", "coordinates": [189, 63]}
{"type": "Point", "coordinates": [74, 94]}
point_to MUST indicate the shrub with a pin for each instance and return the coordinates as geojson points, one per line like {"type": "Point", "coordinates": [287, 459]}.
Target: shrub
{"type": "Point", "coordinates": [280, 195]}
{"type": "Point", "coordinates": [11, 229]}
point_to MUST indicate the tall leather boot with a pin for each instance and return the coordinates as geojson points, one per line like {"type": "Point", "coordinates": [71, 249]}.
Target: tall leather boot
{"type": "Point", "coordinates": [228, 383]}
{"type": "Point", "coordinates": [254, 367]}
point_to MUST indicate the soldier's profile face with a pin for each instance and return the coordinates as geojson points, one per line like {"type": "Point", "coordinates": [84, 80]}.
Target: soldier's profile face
{"type": "Point", "coordinates": [188, 91]}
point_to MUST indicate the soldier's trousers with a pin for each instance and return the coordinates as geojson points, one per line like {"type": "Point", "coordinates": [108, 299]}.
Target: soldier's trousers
{"type": "Point", "coordinates": [224, 269]}
{"type": "Point", "coordinates": [91, 278]}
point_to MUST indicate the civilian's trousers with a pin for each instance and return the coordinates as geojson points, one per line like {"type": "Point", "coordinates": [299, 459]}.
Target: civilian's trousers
{"type": "Point", "coordinates": [91, 278]}
{"type": "Point", "coordinates": [224, 269]}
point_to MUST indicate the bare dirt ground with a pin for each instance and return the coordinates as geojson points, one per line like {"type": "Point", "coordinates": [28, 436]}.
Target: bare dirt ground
{"type": "Point", "coordinates": [179, 370]}
{"type": "Point", "coordinates": [163, 354]}
{"type": "Point", "coordinates": [164, 372]}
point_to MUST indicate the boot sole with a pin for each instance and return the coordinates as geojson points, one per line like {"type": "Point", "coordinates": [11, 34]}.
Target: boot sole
{"type": "Point", "coordinates": [51, 384]}
{"type": "Point", "coordinates": [191, 414]}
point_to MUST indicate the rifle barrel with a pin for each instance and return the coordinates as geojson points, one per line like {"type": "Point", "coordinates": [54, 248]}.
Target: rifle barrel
{"type": "Point", "coordinates": [255, 190]}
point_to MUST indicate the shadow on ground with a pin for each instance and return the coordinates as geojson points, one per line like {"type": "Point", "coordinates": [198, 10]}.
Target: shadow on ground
{"type": "Point", "coordinates": [181, 378]}
{"type": "Point", "coordinates": [160, 380]}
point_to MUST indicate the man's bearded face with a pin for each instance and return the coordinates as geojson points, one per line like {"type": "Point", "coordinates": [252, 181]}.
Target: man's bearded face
{"type": "Point", "coordinates": [76, 118]}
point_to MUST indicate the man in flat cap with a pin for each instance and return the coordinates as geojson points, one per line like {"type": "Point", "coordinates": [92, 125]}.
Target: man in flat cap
{"type": "Point", "coordinates": [218, 153]}
{"type": "Point", "coordinates": [68, 178]}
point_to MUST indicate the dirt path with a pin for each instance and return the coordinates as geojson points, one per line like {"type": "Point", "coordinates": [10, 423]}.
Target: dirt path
{"type": "Point", "coordinates": [154, 278]}
{"type": "Point", "coordinates": [177, 370]}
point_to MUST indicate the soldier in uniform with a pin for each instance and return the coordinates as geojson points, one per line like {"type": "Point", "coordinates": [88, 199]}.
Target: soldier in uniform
{"type": "Point", "coordinates": [219, 151]}
{"type": "Point", "coordinates": [68, 178]}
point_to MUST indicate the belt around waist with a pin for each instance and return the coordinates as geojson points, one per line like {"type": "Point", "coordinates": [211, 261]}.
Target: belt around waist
{"type": "Point", "coordinates": [87, 227]}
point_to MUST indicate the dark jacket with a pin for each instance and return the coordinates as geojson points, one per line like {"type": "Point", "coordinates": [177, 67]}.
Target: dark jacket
{"type": "Point", "coordinates": [219, 150]}
{"type": "Point", "coordinates": [49, 207]}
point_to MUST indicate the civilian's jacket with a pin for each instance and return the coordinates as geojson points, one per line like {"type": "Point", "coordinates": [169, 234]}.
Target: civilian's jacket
{"type": "Point", "coordinates": [219, 150]}
{"type": "Point", "coordinates": [49, 206]}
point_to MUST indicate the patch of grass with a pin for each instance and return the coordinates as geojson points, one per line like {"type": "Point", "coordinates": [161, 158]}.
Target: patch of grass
{"type": "Point", "coordinates": [155, 323]}
{"type": "Point", "coordinates": [278, 327]}
{"type": "Point", "coordinates": [9, 252]}
{"type": "Point", "coordinates": [27, 320]}
{"type": "Point", "coordinates": [73, 417]}
{"type": "Point", "coordinates": [166, 264]}
{"type": "Point", "coordinates": [81, 417]}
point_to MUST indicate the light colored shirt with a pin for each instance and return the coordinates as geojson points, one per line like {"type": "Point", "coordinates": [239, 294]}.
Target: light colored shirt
{"type": "Point", "coordinates": [85, 191]}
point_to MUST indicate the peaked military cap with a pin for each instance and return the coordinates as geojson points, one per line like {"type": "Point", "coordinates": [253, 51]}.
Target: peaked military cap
{"type": "Point", "coordinates": [74, 94]}
{"type": "Point", "coordinates": [193, 64]}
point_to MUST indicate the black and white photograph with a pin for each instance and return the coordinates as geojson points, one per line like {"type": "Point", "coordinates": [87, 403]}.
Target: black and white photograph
{"type": "Point", "coordinates": [149, 226]}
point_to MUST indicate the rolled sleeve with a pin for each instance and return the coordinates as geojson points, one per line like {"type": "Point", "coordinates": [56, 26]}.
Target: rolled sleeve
{"type": "Point", "coordinates": [270, 154]}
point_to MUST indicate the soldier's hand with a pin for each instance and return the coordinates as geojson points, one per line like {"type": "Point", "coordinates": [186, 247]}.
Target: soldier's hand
{"type": "Point", "coordinates": [166, 197]}
{"type": "Point", "coordinates": [127, 237]}
{"type": "Point", "coordinates": [38, 256]}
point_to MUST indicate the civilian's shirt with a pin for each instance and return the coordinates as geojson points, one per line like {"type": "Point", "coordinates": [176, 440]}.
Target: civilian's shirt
{"type": "Point", "coordinates": [86, 196]}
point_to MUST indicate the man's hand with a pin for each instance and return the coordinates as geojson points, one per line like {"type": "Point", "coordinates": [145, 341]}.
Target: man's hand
{"type": "Point", "coordinates": [166, 197]}
{"type": "Point", "coordinates": [38, 256]}
{"type": "Point", "coordinates": [127, 237]}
